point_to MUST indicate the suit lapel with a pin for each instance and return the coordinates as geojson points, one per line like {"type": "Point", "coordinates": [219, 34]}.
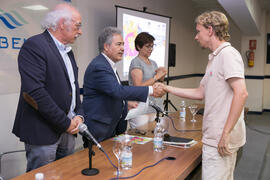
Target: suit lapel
{"type": "Point", "coordinates": [74, 65]}
{"type": "Point", "coordinates": [118, 77]}
{"type": "Point", "coordinates": [108, 65]}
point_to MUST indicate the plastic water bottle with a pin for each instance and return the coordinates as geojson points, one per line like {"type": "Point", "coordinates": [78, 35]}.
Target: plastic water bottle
{"type": "Point", "coordinates": [182, 110]}
{"type": "Point", "coordinates": [39, 176]}
{"type": "Point", "coordinates": [158, 138]}
{"type": "Point", "coordinates": [126, 157]}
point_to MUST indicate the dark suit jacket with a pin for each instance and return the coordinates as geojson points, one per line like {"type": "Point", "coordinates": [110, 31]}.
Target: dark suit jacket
{"type": "Point", "coordinates": [103, 99]}
{"type": "Point", "coordinates": [46, 93]}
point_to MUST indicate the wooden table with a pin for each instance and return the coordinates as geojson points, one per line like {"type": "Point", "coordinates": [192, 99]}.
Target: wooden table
{"type": "Point", "coordinates": [70, 167]}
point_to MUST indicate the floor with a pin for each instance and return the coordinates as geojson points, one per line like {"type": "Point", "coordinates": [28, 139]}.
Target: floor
{"type": "Point", "coordinates": [258, 136]}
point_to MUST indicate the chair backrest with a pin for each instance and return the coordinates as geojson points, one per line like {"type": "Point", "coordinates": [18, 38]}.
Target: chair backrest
{"type": "Point", "coordinates": [14, 172]}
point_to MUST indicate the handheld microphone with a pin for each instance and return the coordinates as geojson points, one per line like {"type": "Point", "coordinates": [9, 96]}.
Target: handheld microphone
{"type": "Point", "coordinates": [85, 132]}
{"type": "Point", "coordinates": [158, 109]}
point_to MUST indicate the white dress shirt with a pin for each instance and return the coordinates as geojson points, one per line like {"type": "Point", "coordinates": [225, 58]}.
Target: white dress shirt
{"type": "Point", "coordinates": [63, 49]}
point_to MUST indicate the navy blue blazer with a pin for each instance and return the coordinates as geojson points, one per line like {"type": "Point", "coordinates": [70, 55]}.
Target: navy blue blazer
{"type": "Point", "coordinates": [103, 99]}
{"type": "Point", "coordinates": [46, 93]}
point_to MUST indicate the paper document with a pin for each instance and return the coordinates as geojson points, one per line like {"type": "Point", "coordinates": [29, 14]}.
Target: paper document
{"type": "Point", "coordinates": [134, 139]}
{"type": "Point", "coordinates": [142, 108]}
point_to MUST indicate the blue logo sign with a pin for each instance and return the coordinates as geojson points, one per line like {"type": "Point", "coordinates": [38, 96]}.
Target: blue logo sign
{"type": "Point", "coordinates": [7, 18]}
{"type": "Point", "coordinates": [11, 20]}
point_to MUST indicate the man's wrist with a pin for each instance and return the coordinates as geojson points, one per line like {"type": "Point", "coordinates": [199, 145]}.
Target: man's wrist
{"type": "Point", "coordinates": [167, 88]}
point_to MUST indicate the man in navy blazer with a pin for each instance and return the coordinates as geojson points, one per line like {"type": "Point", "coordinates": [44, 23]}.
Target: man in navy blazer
{"type": "Point", "coordinates": [49, 109]}
{"type": "Point", "coordinates": [105, 99]}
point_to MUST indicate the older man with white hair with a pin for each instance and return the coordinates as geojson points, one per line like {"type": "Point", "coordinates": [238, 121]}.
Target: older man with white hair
{"type": "Point", "coordinates": [49, 109]}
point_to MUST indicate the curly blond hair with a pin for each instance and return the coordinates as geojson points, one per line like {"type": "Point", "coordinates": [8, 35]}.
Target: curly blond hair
{"type": "Point", "coordinates": [218, 21]}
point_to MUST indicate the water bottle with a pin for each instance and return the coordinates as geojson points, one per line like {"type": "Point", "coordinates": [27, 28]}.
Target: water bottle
{"type": "Point", "coordinates": [126, 156]}
{"type": "Point", "coordinates": [158, 138]}
{"type": "Point", "coordinates": [39, 176]}
{"type": "Point", "coordinates": [182, 110]}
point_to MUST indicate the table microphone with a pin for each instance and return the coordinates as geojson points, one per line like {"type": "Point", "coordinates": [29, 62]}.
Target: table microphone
{"type": "Point", "coordinates": [158, 109]}
{"type": "Point", "coordinates": [85, 132]}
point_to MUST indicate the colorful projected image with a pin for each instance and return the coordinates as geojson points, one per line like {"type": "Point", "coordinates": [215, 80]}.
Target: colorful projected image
{"type": "Point", "coordinates": [132, 26]}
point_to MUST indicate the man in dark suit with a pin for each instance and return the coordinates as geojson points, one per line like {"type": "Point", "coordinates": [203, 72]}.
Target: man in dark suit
{"type": "Point", "coordinates": [49, 109]}
{"type": "Point", "coordinates": [105, 99]}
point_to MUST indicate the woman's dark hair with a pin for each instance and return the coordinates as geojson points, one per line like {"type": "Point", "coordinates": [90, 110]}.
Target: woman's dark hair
{"type": "Point", "coordinates": [142, 39]}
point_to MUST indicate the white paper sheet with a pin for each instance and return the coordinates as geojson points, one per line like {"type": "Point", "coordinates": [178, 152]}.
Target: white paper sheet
{"type": "Point", "coordinates": [142, 108]}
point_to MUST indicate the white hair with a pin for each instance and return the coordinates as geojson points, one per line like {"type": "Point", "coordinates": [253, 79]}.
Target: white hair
{"type": "Point", "coordinates": [52, 18]}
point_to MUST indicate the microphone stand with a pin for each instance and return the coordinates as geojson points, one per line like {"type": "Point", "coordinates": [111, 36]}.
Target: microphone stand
{"type": "Point", "coordinates": [157, 117]}
{"type": "Point", "coordinates": [90, 171]}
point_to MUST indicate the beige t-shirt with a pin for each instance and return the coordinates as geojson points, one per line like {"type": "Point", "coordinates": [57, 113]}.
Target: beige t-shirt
{"type": "Point", "coordinates": [224, 63]}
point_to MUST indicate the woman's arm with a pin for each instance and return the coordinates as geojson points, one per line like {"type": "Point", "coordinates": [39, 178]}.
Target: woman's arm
{"type": "Point", "coordinates": [137, 77]}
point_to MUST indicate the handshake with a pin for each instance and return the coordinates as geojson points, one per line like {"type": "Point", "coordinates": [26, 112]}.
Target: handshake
{"type": "Point", "coordinates": [159, 89]}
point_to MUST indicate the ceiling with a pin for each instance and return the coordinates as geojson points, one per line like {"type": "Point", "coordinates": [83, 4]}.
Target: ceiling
{"type": "Point", "coordinates": [265, 4]}
{"type": "Point", "coordinates": [213, 4]}
{"type": "Point", "coordinates": [237, 10]}
{"type": "Point", "coordinates": [203, 5]}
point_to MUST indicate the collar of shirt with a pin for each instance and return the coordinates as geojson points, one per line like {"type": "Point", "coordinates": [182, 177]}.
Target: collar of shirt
{"type": "Point", "coordinates": [113, 67]}
{"type": "Point", "coordinates": [110, 62]}
{"type": "Point", "coordinates": [213, 54]}
{"type": "Point", "coordinates": [60, 46]}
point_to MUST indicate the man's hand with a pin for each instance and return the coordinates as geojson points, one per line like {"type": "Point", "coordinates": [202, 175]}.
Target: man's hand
{"type": "Point", "coordinates": [159, 85]}
{"type": "Point", "coordinates": [74, 125]}
{"type": "Point", "coordinates": [158, 90]}
{"type": "Point", "coordinates": [223, 148]}
{"type": "Point", "coordinates": [132, 104]}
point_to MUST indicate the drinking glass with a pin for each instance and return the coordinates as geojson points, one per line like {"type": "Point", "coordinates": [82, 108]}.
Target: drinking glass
{"type": "Point", "coordinates": [193, 109]}
{"type": "Point", "coordinates": [117, 150]}
{"type": "Point", "coordinates": [164, 123]}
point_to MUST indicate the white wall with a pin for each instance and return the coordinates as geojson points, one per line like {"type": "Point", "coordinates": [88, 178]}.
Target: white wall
{"type": "Point", "coordinates": [257, 100]}
{"type": "Point", "coordinates": [266, 94]}
{"type": "Point", "coordinates": [266, 90]}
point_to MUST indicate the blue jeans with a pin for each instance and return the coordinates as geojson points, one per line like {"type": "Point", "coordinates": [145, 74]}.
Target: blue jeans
{"type": "Point", "coordinates": [40, 155]}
